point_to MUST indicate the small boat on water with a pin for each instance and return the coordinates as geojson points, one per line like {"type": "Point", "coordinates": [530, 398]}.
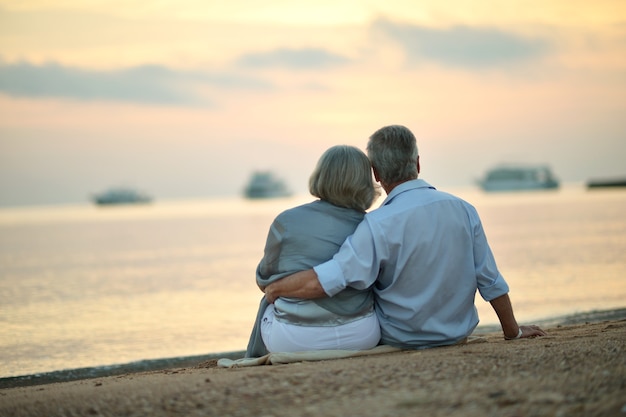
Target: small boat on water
{"type": "Point", "coordinates": [264, 184]}
{"type": "Point", "coordinates": [118, 196]}
{"type": "Point", "coordinates": [519, 178]}
{"type": "Point", "coordinates": [607, 183]}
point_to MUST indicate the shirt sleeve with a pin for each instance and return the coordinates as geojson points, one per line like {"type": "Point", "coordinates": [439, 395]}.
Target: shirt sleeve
{"type": "Point", "coordinates": [491, 283]}
{"type": "Point", "coordinates": [355, 265]}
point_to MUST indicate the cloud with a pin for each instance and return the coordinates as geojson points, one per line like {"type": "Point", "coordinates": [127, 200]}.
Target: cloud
{"type": "Point", "coordinates": [148, 84]}
{"type": "Point", "coordinates": [307, 58]}
{"type": "Point", "coordinates": [462, 46]}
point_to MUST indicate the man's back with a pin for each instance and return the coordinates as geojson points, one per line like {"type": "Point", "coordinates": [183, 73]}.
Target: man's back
{"type": "Point", "coordinates": [429, 253]}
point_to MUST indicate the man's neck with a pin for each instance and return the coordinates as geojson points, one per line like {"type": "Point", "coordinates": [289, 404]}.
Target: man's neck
{"type": "Point", "coordinates": [389, 187]}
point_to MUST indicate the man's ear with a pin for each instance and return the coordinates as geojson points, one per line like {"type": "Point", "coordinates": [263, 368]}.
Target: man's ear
{"type": "Point", "coordinates": [376, 177]}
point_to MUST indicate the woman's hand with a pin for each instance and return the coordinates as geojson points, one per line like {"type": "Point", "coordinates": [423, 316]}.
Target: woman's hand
{"type": "Point", "coordinates": [303, 284]}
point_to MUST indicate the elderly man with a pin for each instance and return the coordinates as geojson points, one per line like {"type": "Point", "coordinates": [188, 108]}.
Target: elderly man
{"type": "Point", "coordinates": [425, 253]}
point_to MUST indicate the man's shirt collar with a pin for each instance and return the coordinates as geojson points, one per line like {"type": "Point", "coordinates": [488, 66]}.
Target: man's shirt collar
{"type": "Point", "coordinates": [406, 186]}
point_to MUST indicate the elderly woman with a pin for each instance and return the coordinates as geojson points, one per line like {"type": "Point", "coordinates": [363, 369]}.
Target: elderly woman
{"type": "Point", "coordinates": [304, 236]}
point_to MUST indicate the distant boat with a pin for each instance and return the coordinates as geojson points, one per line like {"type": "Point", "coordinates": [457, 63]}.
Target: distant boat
{"type": "Point", "coordinates": [118, 196]}
{"type": "Point", "coordinates": [263, 184]}
{"type": "Point", "coordinates": [607, 183]}
{"type": "Point", "coordinates": [519, 178]}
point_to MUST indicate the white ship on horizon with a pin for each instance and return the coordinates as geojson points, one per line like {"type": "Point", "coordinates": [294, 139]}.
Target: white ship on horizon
{"type": "Point", "coordinates": [119, 196]}
{"type": "Point", "coordinates": [264, 184]}
{"type": "Point", "coordinates": [519, 178]}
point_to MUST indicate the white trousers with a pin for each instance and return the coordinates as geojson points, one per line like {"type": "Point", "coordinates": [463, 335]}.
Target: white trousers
{"type": "Point", "coordinates": [360, 334]}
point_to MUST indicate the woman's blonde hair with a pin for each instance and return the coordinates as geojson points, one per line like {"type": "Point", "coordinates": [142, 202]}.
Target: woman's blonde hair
{"type": "Point", "coordinates": [343, 177]}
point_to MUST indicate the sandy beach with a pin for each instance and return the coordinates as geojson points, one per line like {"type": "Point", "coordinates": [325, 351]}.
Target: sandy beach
{"type": "Point", "coordinates": [577, 370]}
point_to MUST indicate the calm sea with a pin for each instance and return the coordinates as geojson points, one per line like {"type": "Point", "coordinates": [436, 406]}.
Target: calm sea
{"type": "Point", "coordinates": [83, 286]}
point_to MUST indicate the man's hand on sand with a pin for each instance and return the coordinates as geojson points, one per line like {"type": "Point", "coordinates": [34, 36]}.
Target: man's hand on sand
{"type": "Point", "coordinates": [530, 331]}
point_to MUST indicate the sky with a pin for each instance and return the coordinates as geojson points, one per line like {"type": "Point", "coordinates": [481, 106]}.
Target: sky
{"type": "Point", "coordinates": [184, 99]}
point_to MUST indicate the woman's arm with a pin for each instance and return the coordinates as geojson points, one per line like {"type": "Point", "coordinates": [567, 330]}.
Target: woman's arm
{"type": "Point", "coordinates": [269, 264]}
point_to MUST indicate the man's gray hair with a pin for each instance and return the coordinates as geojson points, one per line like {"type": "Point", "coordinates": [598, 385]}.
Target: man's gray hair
{"type": "Point", "coordinates": [392, 150]}
{"type": "Point", "coordinates": [343, 177]}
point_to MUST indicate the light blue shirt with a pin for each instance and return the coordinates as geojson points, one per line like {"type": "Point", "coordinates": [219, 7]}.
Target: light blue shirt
{"type": "Point", "coordinates": [426, 253]}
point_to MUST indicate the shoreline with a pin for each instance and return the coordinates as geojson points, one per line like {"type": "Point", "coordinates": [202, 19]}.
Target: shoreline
{"type": "Point", "coordinates": [153, 365]}
{"type": "Point", "coordinates": [575, 370]}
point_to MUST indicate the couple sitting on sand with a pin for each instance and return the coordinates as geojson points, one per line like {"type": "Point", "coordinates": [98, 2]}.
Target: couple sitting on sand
{"type": "Point", "coordinates": [404, 275]}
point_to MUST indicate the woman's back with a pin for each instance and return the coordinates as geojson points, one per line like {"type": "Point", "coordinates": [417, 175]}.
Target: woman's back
{"type": "Point", "coordinates": [308, 235]}
{"type": "Point", "coordinates": [301, 238]}
{"type": "Point", "coordinates": [305, 236]}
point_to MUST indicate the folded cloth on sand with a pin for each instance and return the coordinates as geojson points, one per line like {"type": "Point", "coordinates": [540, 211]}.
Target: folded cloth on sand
{"type": "Point", "coordinates": [319, 355]}
{"type": "Point", "coordinates": [309, 355]}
